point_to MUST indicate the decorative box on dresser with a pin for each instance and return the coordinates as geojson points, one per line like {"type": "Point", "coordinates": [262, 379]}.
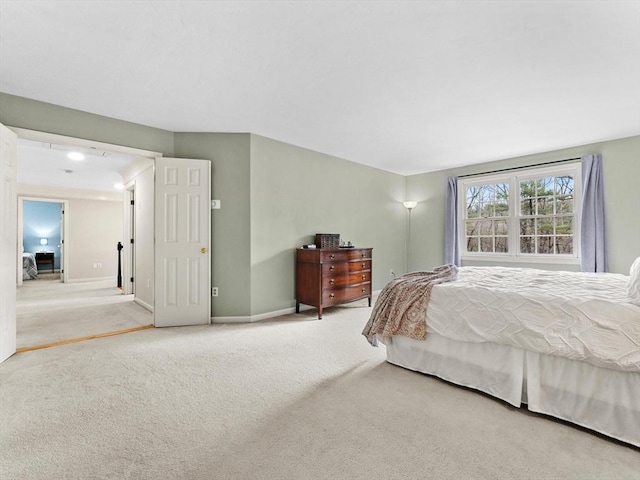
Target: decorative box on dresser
{"type": "Point", "coordinates": [326, 277]}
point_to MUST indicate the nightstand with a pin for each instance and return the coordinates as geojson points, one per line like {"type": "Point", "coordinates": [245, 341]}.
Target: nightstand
{"type": "Point", "coordinates": [45, 258]}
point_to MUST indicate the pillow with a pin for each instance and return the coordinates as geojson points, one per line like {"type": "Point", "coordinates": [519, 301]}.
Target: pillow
{"type": "Point", "coordinates": [633, 290]}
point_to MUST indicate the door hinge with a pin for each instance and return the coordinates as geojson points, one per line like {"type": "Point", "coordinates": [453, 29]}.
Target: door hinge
{"type": "Point", "coordinates": [131, 279]}
{"type": "Point", "coordinates": [132, 202]}
{"type": "Point", "coordinates": [132, 241]}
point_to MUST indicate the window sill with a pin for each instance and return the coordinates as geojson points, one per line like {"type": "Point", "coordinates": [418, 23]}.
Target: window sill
{"type": "Point", "coordinates": [539, 259]}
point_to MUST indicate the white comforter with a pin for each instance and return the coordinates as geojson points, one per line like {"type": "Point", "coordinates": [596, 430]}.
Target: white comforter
{"type": "Point", "coordinates": [580, 316]}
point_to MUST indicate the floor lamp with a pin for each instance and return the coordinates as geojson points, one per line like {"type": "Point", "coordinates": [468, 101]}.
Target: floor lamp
{"type": "Point", "coordinates": [409, 206]}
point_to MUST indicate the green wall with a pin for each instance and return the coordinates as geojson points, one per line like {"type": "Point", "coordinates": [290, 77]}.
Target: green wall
{"type": "Point", "coordinates": [45, 117]}
{"type": "Point", "coordinates": [621, 161]}
{"type": "Point", "coordinates": [230, 225]}
{"type": "Point", "coordinates": [296, 193]}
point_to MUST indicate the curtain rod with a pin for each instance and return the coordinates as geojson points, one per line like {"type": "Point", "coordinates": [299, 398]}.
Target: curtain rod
{"type": "Point", "coordinates": [520, 168]}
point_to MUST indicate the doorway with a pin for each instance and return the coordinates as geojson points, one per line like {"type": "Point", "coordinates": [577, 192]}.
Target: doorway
{"type": "Point", "coordinates": [80, 248]}
{"type": "Point", "coordinates": [41, 228]}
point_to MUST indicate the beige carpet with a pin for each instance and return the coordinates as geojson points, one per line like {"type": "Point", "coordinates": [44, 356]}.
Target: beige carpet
{"type": "Point", "coordinates": [51, 311]}
{"type": "Point", "coordinates": [295, 398]}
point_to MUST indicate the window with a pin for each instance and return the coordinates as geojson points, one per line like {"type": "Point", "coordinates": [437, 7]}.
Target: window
{"type": "Point", "coordinates": [523, 215]}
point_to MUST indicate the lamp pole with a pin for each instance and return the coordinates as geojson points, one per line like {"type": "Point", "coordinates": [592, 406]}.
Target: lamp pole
{"type": "Point", "coordinates": [409, 205]}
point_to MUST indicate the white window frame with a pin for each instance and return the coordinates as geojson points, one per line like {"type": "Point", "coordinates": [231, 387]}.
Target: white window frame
{"type": "Point", "coordinates": [513, 178]}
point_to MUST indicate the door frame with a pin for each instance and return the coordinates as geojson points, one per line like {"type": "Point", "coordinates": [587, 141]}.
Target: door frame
{"type": "Point", "coordinates": [65, 228]}
{"type": "Point", "coordinates": [141, 155]}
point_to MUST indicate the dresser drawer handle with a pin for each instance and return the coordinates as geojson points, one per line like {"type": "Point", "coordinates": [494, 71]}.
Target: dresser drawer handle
{"type": "Point", "coordinates": [364, 276]}
{"type": "Point", "coordinates": [364, 265]}
{"type": "Point", "coordinates": [364, 289]}
{"type": "Point", "coordinates": [331, 295]}
{"type": "Point", "coordinates": [332, 256]}
{"type": "Point", "coordinates": [332, 268]}
{"type": "Point", "coordinates": [332, 281]}
{"type": "Point", "coordinates": [364, 254]}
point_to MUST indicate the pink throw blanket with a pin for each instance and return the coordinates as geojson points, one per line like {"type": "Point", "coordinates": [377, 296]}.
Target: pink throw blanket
{"type": "Point", "coordinates": [401, 308]}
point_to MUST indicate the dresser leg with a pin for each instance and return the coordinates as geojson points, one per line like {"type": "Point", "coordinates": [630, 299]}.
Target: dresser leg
{"type": "Point", "coordinates": [297, 307]}
{"type": "Point", "coordinates": [319, 313]}
{"type": "Point", "coordinates": [369, 301]}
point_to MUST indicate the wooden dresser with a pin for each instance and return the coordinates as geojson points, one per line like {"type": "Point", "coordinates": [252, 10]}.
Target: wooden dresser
{"type": "Point", "coordinates": [326, 277]}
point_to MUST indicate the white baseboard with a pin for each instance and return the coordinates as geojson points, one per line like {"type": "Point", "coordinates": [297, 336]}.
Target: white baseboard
{"type": "Point", "coordinates": [143, 304]}
{"type": "Point", "coordinates": [265, 316]}
{"type": "Point", "coordinates": [95, 279]}
{"type": "Point", "coordinates": [257, 318]}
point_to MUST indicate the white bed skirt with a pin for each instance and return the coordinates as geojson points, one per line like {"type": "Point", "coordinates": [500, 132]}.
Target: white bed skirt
{"type": "Point", "coordinates": [600, 399]}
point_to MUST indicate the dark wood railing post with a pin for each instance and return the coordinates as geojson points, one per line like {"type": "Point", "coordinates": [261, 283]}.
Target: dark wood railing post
{"type": "Point", "coordinates": [120, 247]}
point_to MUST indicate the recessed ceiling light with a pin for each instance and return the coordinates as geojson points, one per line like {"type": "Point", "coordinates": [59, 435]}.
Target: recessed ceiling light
{"type": "Point", "coordinates": [75, 156]}
{"type": "Point", "coordinates": [118, 186]}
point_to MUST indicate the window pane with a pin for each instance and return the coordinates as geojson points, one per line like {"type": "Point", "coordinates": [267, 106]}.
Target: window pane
{"type": "Point", "coordinates": [502, 244]}
{"type": "Point", "coordinates": [565, 245]}
{"type": "Point", "coordinates": [485, 227]}
{"type": "Point", "coordinates": [545, 225]}
{"type": "Point", "coordinates": [527, 189]}
{"type": "Point", "coordinates": [502, 200]}
{"type": "Point", "coordinates": [473, 208]}
{"type": "Point", "coordinates": [472, 244]}
{"type": "Point", "coordinates": [564, 225]}
{"type": "Point", "coordinates": [500, 227]}
{"type": "Point", "coordinates": [545, 205]}
{"type": "Point", "coordinates": [527, 245]}
{"type": "Point", "coordinates": [544, 187]}
{"type": "Point", "coordinates": [472, 227]}
{"type": "Point", "coordinates": [545, 245]}
{"type": "Point", "coordinates": [564, 186]}
{"type": "Point", "coordinates": [527, 226]}
{"type": "Point", "coordinates": [564, 204]}
{"type": "Point", "coordinates": [486, 244]}
{"type": "Point", "coordinates": [528, 206]}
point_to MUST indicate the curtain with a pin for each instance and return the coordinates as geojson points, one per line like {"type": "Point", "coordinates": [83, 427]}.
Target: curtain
{"type": "Point", "coordinates": [451, 242]}
{"type": "Point", "coordinates": [593, 254]}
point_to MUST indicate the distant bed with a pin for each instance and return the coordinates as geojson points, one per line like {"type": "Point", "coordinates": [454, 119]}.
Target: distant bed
{"type": "Point", "coordinates": [567, 344]}
{"type": "Point", "coordinates": [29, 266]}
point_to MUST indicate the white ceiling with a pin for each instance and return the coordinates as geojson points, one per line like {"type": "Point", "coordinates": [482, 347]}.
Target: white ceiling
{"type": "Point", "coordinates": [407, 87]}
{"type": "Point", "coordinates": [48, 164]}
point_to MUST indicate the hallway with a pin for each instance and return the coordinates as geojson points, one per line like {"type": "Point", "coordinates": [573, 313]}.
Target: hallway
{"type": "Point", "coordinates": [51, 311]}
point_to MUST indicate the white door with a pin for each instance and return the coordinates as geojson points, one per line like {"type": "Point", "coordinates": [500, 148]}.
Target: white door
{"type": "Point", "coordinates": [182, 234]}
{"type": "Point", "coordinates": [8, 242]}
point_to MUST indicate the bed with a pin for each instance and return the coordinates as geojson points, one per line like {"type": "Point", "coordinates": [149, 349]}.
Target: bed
{"type": "Point", "coordinates": [566, 344]}
{"type": "Point", "coordinates": [29, 266]}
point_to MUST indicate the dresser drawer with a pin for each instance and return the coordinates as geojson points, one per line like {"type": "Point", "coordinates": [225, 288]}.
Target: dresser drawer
{"type": "Point", "coordinates": [344, 255]}
{"type": "Point", "coordinates": [359, 266]}
{"type": "Point", "coordinates": [343, 280]}
{"type": "Point", "coordinates": [341, 295]}
{"type": "Point", "coordinates": [333, 269]}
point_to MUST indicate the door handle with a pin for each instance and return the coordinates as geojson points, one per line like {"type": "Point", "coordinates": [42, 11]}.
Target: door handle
{"type": "Point", "coordinates": [203, 250]}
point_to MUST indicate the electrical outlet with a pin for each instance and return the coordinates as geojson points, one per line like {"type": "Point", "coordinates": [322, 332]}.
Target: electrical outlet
{"type": "Point", "coordinates": [95, 265]}
{"type": "Point", "coordinates": [214, 291]}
